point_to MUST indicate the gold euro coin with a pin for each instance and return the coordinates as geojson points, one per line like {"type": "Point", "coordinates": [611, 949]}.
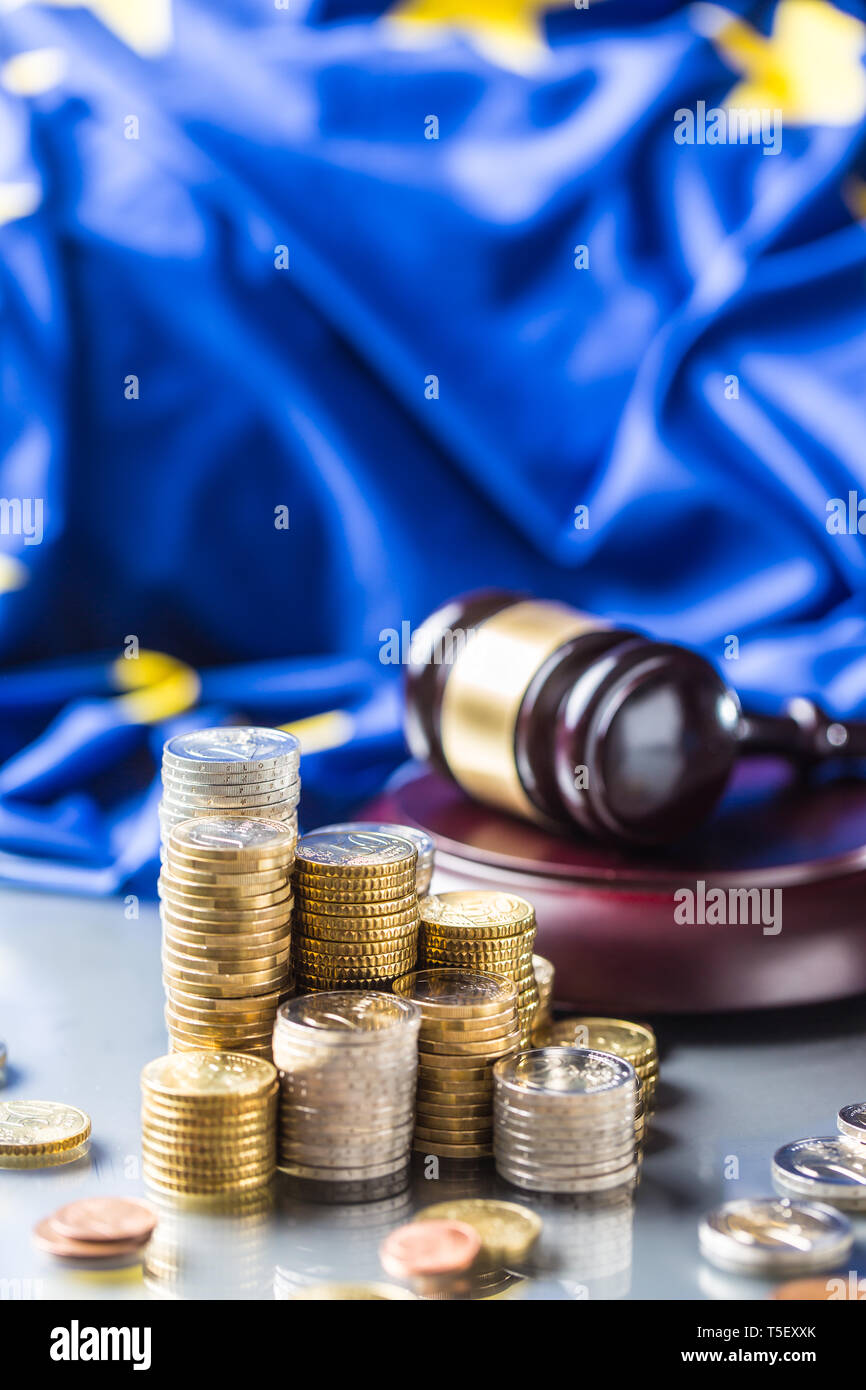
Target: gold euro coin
{"type": "Point", "coordinates": [29, 1128]}
{"type": "Point", "coordinates": [508, 1231]}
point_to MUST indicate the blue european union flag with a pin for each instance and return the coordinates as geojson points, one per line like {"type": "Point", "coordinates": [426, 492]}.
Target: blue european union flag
{"type": "Point", "coordinates": [314, 315]}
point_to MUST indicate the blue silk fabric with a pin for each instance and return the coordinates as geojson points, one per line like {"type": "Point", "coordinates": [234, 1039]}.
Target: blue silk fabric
{"type": "Point", "coordinates": [238, 275]}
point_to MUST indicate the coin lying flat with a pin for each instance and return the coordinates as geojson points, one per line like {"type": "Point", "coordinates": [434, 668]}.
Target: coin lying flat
{"type": "Point", "coordinates": [507, 1231]}
{"type": "Point", "coordinates": [766, 1235]}
{"type": "Point", "coordinates": [35, 1127]}
{"type": "Point", "coordinates": [359, 849]}
{"type": "Point", "coordinates": [105, 1219]}
{"type": "Point", "coordinates": [826, 1168]}
{"type": "Point", "coordinates": [47, 1238]}
{"type": "Point", "coordinates": [419, 838]}
{"type": "Point", "coordinates": [212, 1074]}
{"type": "Point", "coordinates": [435, 1247]}
{"type": "Point", "coordinates": [577, 1071]}
{"type": "Point", "coordinates": [212, 749]}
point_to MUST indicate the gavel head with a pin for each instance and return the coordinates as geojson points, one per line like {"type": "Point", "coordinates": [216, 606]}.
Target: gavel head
{"type": "Point", "coordinates": [561, 718]}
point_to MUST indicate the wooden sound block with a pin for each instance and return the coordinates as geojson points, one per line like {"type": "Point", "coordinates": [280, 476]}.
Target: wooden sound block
{"type": "Point", "coordinates": [606, 917]}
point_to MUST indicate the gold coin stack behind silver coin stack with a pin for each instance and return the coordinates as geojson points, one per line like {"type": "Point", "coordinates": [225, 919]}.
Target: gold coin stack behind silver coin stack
{"type": "Point", "coordinates": [468, 1021]}
{"type": "Point", "coordinates": [356, 915]}
{"type": "Point", "coordinates": [208, 1123]}
{"type": "Point", "coordinates": [348, 1064]}
{"type": "Point", "coordinates": [480, 929]}
{"type": "Point", "coordinates": [226, 905]}
{"type": "Point", "coordinates": [419, 838]}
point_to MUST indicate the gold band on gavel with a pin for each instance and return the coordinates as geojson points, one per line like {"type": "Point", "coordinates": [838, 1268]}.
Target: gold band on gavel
{"type": "Point", "coordinates": [485, 689]}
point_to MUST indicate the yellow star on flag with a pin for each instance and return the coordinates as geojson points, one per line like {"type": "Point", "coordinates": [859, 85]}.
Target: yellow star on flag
{"type": "Point", "coordinates": [810, 67]}
{"type": "Point", "coordinates": [18, 200]}
{"type": "Point", "coordinates": [143, 25]}
{"type": "Point", "coordinates": [509, 33]}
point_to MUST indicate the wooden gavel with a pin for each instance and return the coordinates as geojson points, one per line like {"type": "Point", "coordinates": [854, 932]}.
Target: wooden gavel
{"type": "Point", "coordinates": [562, 718]}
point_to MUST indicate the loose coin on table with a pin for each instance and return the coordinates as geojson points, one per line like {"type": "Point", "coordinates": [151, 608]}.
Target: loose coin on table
{"type": "Point", "coordinates": [506, 1230]}
{"type": "Point", "coordinates": [827, 1168]}
{"type": "Point", "coordinates": [430, 1254]}
{"type": "Point", "coordinates": [96, 1229]}
{"type": "Point", "coordinates": [774, 1235]}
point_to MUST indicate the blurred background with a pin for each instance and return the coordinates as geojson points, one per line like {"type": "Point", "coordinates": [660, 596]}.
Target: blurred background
{"type": "Point", "coordinates": [314, 315]}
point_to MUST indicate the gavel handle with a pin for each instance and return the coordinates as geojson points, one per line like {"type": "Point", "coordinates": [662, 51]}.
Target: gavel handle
{"type": "Point", "coordinates": [804, 731]}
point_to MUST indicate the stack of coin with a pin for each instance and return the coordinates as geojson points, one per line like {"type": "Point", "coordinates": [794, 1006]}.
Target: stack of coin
{"type": "Point", "coordinates": [543, 972]}
{"type": "Point", "coordinates": [564, 1120]}
{"type": "Point", "coordinates": [226, 913]}
{"type": "Point", "coordinates": [231, 772]}
{"type": "Point", "coordinates": [851, 1124]}
{"type": "Point", "coordinates": [97, 1229]}
{"type": "Point", "coordinates": [208, 1122]}
{"type": "Point", "coordinates": [356, 915]}
{"type": "Point", "coordinates": [479, 929]}
{"type": "Point", "coordinates": [468, 1021]}
{"type": "Point", "coordinates": [773, 1236]}
{"type": "Point", "coordinates": [41, 1133]}
{"type": "Point", "coordinates": [348, 1063]}
{"type": "Point", "coordinates": [419, 838]}
{"type": "Point", "coordinates": [825, 1168]}
{"type": "Point", "coordinates": [634, 1042]}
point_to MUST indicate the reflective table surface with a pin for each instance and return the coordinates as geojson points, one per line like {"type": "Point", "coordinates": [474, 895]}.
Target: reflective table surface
{"type": "Point", "coordinates": [81, 1012]}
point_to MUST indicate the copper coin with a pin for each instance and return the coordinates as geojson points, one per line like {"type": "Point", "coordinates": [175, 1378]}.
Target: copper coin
{"type": "Point", "coordinates": [415, 1250]}
{"type": "Point", "coordinates": [104, 1219]}
{"type": "Point", "coordinates": [47, 1237]}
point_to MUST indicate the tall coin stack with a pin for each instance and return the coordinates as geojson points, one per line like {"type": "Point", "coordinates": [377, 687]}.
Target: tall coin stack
{"type": "Point", "coordinates": [564, 1120]}
{"type": "Point", "coordinates": [348, 1063]}
{"type": "Point", "coordinates": [479, 929]}
{"type": "Point", "coordinates": [356, 914]}
{"type": "Point", "coordinates": [226, 906]}
{"type": "Point", "coordinates": [633, 1042]}
{"type": "Point", "coordinates": [244, 771]}
{"type": "Point", "coordinates": [468, 1022]}
{"type": "Point", "coordinates": [419, 838]}
{"type": "Point", "coordinates": [208, 1123]}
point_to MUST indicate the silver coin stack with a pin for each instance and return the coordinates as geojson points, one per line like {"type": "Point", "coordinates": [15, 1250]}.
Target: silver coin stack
{"type": "Point", "coordinates": [773, 1236]}
{"type": "Point", "coordinates": [234, 771]}
{"type": "Point", "coordinates": [419, 838]}
{"type": "Point", "coordinates": [348, 1062]}
{"type": "Point", "coordinates": [826, 1168]}
{"type": "Point", "coordinates": [564, 1120]}
{"type": "Point", "coordinates": [851, 1124]}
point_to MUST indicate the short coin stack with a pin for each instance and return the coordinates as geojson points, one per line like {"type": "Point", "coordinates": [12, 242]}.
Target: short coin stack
{"type": "Point", "coordinates": [633, 1042]}
{"type": "Point", "coordinates": [231, 772]}
{"type": "Point", "coordinates": [774, 1236]}
{"type": "Point", "coordinates": [41, 1133]}
{"type": "Point", "coordinates": [356, 915]}
{"type": "Point", "coordinates": [419, 838]}
{"type": "Point", "coordinates": [478, 929]}
{"type": "Point", "coordinates": [348, 1062]}
{"type": "Point", "coordinates": [565, 1120]}
{"type": "Point", "coordinates": [208, 1123]}
{"type": "Point", "coordinates": [468, 1021]}
{"type": "Point", "coordinates": [96, 1229]}
{"type": "Point", "coordinates": [851, 1124]}
{"type": "Point", "coordinates": [226, 905]}
{"type": "Point", "coordinates": [826, 1168]}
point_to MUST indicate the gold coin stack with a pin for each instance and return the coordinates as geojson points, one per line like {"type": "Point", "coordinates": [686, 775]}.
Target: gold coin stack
{"type": "Point", "coordinates": [419, 838]}
{"type": "Point", "coordinates": [633, 1042]}
{"type": "Point", "coordinates": [468, 1022]}
{"type": "Point", "coordinates": [356, 917]}
{"type": "Point", "coordinates": [479, 929]}
{"type": "Point", "coordinates": [543, 971]}
{"type": "Point", "coordinates": [226, 905]}
{"type": "Point", "coordinates": [208, 1123]}
{"type": "Point", "coordinates": [348, 1062]}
